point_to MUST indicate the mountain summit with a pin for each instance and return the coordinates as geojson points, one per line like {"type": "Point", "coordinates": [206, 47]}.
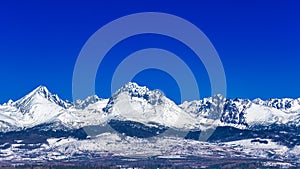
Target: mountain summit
{"type": "Point", "coordinates": [136, 103]}
{"type": "Point", "coordinates": [39, 95]}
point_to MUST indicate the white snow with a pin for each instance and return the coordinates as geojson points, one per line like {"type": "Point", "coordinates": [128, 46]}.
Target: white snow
{"type": "Point", "coordinates": [258, 114]}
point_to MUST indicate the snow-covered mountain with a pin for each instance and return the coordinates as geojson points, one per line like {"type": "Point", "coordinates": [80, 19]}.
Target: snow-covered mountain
{"type": "Point", "coordinates": [41, 106]}
{"type": "Point", "coordinates": [139, 104]}
{"type": "Point", "coordinates": [41, 126]}
{"type": "Point", "coordinates": [135, 103]}
{"type": "Point", "coordinates": [39, 95]}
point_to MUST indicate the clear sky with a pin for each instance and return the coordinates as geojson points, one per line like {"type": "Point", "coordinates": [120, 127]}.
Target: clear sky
{"type": "Point", "coordinates": [258, 43]}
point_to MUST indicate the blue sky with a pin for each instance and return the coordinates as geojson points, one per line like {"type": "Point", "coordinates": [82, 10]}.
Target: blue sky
{"type": "Point", "coordinates": [258, 43]}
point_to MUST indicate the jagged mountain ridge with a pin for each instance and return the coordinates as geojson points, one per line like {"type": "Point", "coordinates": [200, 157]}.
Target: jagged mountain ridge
{"type": "Point", "coordinates": [148, 107]}
{"type": "Point", "coordinates": [244, 112]}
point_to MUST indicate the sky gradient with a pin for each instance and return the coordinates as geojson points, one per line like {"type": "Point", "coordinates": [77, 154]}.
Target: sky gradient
{"type": "Point", "coordinates": [258, 44]}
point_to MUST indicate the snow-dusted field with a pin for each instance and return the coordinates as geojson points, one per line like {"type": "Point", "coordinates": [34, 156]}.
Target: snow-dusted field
{"type": "Point", "coordinates": [115, 147]}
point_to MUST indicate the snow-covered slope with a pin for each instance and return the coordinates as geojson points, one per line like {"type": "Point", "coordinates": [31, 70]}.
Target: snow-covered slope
{"type": "Point", "coordinates": [135, 103]}
{"type": "Point", "coordinates": [263, 115]}
{"type": "Point", "coordinates": [89, 114]}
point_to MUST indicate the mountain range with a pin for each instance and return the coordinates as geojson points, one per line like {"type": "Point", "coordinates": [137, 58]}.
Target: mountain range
{"type": "Point", "coordinates": [52, 128]}
{"type": "Point", "coordinates": [135, 103]}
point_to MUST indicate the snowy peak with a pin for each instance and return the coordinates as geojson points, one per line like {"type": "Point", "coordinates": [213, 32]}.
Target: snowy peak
{"type": "Point", "coordinates": [133, 89]}
{"type": "Point", "coordinates": [151, 96]}
{"type": "Point", "coordinates": [136, 103]}
{"type": "Point", "coordinates": [41, 90]}
{"type": "Point", "coordinates": [40, 95]}
{"type": "Point", "coordinates": [81, 104]}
